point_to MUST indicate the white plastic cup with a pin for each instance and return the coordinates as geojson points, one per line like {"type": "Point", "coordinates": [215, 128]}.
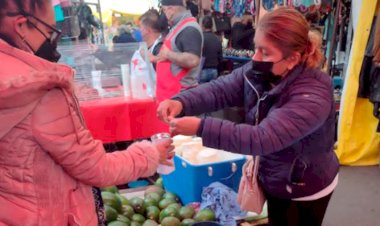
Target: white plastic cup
{"type": "Point", "coordinates": [126, 79]}
{"type": "Point", "coordinates": [96, 77]}
{"type": "Point", "coordinates": [163, 169]}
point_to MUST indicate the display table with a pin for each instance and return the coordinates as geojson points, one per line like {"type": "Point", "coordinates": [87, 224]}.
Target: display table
{"type": "Point", "coordinates": [121, 118]}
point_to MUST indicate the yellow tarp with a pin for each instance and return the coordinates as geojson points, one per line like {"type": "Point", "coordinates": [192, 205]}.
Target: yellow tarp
{"type": "Point", "coordinates": [108, 16]}
{"type": "Point", "coordinates": [358, 142]}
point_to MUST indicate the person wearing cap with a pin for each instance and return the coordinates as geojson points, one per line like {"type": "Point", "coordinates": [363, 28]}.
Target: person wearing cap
{"type": "Point", "coordinates": [179, 58]}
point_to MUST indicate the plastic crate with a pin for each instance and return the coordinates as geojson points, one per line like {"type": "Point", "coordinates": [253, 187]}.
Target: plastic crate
{"type": "Point", "coordinates": [188, 180]}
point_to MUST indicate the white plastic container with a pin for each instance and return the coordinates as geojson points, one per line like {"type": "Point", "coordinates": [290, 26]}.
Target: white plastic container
{"type": "Point", "coordinates": [190, 150]}
{"type": "Point", "coordinates": [179, 140]}
{"type": "Point", "coordinates": [208, 155]}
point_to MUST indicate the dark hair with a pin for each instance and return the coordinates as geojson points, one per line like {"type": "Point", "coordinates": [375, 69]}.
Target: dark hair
{"type": "Point", "coordinates": [287, 25]}
{"type": "Point", "coordinates": [22, 5]}
{"type": "Point", "coordinates": [313, 17]}
{"type": "Point", "coordinates": [151, 19]}
{"type": "Point", "coordinates": [207, 22]}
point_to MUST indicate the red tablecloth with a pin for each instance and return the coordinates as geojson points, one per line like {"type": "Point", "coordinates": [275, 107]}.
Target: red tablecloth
{"type": "Point", "coordinates": [121, 119]}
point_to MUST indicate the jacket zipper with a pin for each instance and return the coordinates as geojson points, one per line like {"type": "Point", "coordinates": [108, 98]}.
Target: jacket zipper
{"type": "Point", "coordinates": [259, 99]}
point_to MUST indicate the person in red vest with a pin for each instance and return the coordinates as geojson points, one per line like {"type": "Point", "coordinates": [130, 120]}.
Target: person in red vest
{"type": "Point", "coordinates": [178, 62]}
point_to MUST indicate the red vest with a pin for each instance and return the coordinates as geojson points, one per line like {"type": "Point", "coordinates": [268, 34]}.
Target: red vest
{"type": "Point", "coordinates": [168, 84]}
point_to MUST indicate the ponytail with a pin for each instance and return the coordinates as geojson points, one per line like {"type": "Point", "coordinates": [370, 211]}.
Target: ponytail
{"type": "Point", "coordinates": [313, 57]}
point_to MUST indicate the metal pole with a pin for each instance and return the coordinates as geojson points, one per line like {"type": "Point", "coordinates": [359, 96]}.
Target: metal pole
{"type": "Point", "coordinates": [101, 21]}
{"type": "Point", "coordinates": [348, 44]}
{"type": "Point", "coordinates": [257, 16]}
{"type": "Point", "coordinates": [333, 42]}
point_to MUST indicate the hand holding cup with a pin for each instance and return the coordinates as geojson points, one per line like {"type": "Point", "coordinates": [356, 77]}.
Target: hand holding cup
{"type": "Point", "coordinates": [164, 145]}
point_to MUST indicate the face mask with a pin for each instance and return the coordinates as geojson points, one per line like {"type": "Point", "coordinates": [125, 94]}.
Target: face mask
{"type": "Point", "coordinates": [48, 51]}
{"type": "Point", "coordinates": [263, 69]}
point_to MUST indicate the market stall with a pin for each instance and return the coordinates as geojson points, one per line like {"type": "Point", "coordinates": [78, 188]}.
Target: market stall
{"type": "Point", "coordinates": [116, 100]}
{"type": "Point", "coordinates": [117, 108]}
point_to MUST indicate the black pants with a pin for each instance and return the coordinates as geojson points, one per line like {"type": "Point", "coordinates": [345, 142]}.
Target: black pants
{"type": "Point", "coordinates": [285, 212]}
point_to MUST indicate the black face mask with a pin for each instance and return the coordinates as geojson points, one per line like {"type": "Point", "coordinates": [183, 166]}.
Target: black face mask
{"type": "Point", "coordinates": [48, 51]}
{"type": "Point", "coordinates": [263, 69]}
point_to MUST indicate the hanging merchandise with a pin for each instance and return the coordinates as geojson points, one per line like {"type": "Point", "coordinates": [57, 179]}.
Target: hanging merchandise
{"type": "Point", "coordinates": [239, 7]}
{"type": "Point", "coordinates": [220, 5]}
{"type": "Point", "coordinates": [248, 6]}
{"type": "Point", "coordinates": [222, 22]}
{"type": "Point", "coordinates": [268, 5]}
{"type": "Point", "coordinates": [297, 3]}
{"type": "Point", "coordinates": [374, 96]}
{"type": "Point", "coordinates": [228, 7]}
{"type": "Point", "coordinates": [252, 7]}
{"type": "Point", "coordinates": [308, 3]}
{"type": "Point", "coordinates": [216, 5]}
{"type": "Point", "coordinates": [365, 78]}
{"type": "Point", "coordinates": [327, 2]}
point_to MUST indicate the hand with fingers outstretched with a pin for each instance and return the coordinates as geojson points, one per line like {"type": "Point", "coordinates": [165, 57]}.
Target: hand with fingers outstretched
{"type": "Point", "coordinates": [169, 109]}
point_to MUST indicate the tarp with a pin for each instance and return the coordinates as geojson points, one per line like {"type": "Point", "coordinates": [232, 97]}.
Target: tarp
{"type": "Point", "coordinates": [358, 142]}
{"type": "Point", "coordinates": [127, 8]}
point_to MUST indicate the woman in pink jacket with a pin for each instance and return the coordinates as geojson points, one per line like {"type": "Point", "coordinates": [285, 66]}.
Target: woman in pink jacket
{"type": "Point", "coordinates": [49, 161]}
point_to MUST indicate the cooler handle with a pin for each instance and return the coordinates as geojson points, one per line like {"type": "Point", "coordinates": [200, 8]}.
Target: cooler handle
{"type": "Point", "coordinates": [234, 168]}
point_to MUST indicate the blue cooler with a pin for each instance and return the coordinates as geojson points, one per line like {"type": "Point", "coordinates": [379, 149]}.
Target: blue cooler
{"type": "Point", "coordinates": [188, 180]}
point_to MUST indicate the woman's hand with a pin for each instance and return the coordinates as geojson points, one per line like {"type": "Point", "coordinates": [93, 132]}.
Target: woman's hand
{"type": "Point", "coordinates": [186, 126]}
{"type": "Point", "coordinates": [165, 150]}
{"type": "Point", "coordinates": [169, 109]}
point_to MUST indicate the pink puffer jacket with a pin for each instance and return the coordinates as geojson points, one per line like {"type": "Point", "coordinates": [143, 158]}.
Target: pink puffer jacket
{"type": "Point", "coordinates": [48, 159]}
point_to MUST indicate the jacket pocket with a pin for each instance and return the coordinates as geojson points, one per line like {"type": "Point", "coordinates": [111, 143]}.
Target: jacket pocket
{"type": "Point", "coordinates": [297, 172]}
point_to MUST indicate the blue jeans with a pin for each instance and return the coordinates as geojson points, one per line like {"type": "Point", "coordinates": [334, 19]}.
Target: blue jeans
{"type": "Point", "coordinates": [208, 74]}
